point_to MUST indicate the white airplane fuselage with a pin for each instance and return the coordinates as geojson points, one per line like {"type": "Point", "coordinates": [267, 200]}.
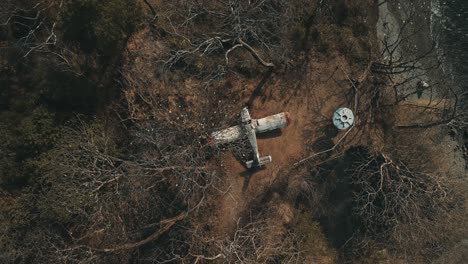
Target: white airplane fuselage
{"type": "Point", "coordinates": [265, 124]}
{"type": "Point", "coordinates": [248, 129]}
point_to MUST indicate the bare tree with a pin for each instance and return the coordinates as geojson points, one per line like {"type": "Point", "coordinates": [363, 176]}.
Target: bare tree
{"type": "Point", "coordinates": [36, 28]}
{"type": "Point", "coordinates": [409, 207]}
{"type": "Point", "coordinates": [107, 200]}
{"type": "Point", "coordinates": [411, 62]}
{"type": "Point", "coordinates": [258, 27]}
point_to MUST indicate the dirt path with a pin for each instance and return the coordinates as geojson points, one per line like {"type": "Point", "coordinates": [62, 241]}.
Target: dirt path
{"type": "Point", "coordinates": [310, 105]}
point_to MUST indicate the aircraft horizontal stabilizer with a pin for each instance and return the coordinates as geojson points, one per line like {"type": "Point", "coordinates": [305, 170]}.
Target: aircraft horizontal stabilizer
{"type": "Point", "coordinates": [263, 160]}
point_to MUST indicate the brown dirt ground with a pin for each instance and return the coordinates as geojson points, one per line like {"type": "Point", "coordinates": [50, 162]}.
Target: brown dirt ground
{"type": "Point", "coordinates": [310, 92]}
{"type": "Point", "coordinates": [310, 104]}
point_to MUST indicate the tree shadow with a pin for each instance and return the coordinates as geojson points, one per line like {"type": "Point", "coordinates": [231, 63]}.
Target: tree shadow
{"type": "Point", "coordinates": [339, 225]}
{"type": "Point", "coordinates": [326, 141]}
{"type": "Point", "coordinates": [258, 90]}
{"type": "Point", "coordinates": [334, 213]}
{"type": "Point", "coordinates": [338, 220]}
{"type": "Point", "coordinates": [336, 210]}
{"type": "Point", "coordinates": [330, 131]}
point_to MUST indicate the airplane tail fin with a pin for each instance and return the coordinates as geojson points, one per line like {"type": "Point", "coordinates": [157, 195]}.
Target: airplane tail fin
{"type": "Point", "coordinates": [263, 160]}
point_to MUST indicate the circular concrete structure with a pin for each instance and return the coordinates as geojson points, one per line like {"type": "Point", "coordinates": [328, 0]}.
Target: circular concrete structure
{"type": "Point", "coordinates": [343, 118]}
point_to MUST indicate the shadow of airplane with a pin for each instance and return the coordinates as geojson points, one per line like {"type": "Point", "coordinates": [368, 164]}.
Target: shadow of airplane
{"type": "Point", "coordinates": [270, 134]}
{"type": "Point", "coordinates": [247, 174]}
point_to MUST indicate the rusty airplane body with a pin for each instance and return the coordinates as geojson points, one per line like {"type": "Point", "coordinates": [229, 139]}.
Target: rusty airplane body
{"type": "Point", "coordinates": [248, 128]}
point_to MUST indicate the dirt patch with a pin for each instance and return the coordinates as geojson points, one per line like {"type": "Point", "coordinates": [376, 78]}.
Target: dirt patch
{"type": "Point", "coordinates": [310, 89]}
{"type": "Point", "coordinates": [311, 104]}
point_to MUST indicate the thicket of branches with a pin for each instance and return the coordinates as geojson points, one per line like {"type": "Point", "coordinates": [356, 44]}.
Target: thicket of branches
{"type": "Point", "coordinates": [47, 74]}
{"type": "Point", "coordinates": [416, 210]}
{"type": "Point", "coordinates": [219, 28]}
{"type": "Point", "coordinates": [401, 199]}
{"type": "Point", "coordinates": [143, 190]}
{"type": "Point", "coordinates": [415, 65]}
{"type": "Point", "coordinates": [107, 193]}
{"type": "Point", "coordinates": [101, 196]}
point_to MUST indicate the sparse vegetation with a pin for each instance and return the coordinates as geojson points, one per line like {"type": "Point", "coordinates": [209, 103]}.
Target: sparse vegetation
{"type": "Point", "coordinates": [106, 108]}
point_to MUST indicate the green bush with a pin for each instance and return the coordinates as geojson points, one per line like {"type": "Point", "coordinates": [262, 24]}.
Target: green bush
{"type": "Point", "coordinates": [24, 137]}
{"type": "Point", "coordinates": [37, 132]}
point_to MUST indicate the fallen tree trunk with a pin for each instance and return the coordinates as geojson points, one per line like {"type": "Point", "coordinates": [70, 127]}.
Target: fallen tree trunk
{"type": "Point", "coordinates": [166, 224]}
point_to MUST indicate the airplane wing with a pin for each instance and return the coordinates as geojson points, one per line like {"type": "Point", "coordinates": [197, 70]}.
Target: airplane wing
{"type": "Point", "coordinates": [248, 128]}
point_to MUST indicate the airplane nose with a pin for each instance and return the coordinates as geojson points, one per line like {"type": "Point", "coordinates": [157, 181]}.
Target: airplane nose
{"type": "Point", "coordinates": [288, 118]}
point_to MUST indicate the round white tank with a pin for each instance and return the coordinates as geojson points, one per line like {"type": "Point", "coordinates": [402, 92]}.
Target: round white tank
{"type": "Point", "coordinates": [343, 118]}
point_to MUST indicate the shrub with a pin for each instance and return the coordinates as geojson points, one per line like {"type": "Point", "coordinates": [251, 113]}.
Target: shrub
{"type": "Point", "coordinates": [24, 138]}
{"type": "Point", "coordinates": [100, 26]}
{"type": "Point", "coordinates": [314, 243]}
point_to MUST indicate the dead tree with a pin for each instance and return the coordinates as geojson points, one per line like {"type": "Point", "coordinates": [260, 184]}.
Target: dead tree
{"type": "Point", "coordinates": [214, 29]}
{"type": "Point", "coordinates": [36, 28]}
{"type": "Point", "coordinates": [393, 202]}
{"type": "Point", "coordinates": [254, 242]}
{"type": "Point", "coordinates": [105, 200]}
{"type": "Point", "coordinates": [410, 57]}
{"type": "Point", "coordinates": [256, 239]}
{"type": "Point", "coordinates": [402, 61]}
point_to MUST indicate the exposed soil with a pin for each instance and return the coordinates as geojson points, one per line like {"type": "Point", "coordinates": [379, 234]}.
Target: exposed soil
{"type": "Point", "coordinates": [311, 104]}
{"type": "Point", "coordinates": [310, 89]}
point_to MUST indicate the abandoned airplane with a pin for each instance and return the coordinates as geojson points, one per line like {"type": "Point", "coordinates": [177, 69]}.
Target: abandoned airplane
{"type": "Point", "coordinates": [248, 129]}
